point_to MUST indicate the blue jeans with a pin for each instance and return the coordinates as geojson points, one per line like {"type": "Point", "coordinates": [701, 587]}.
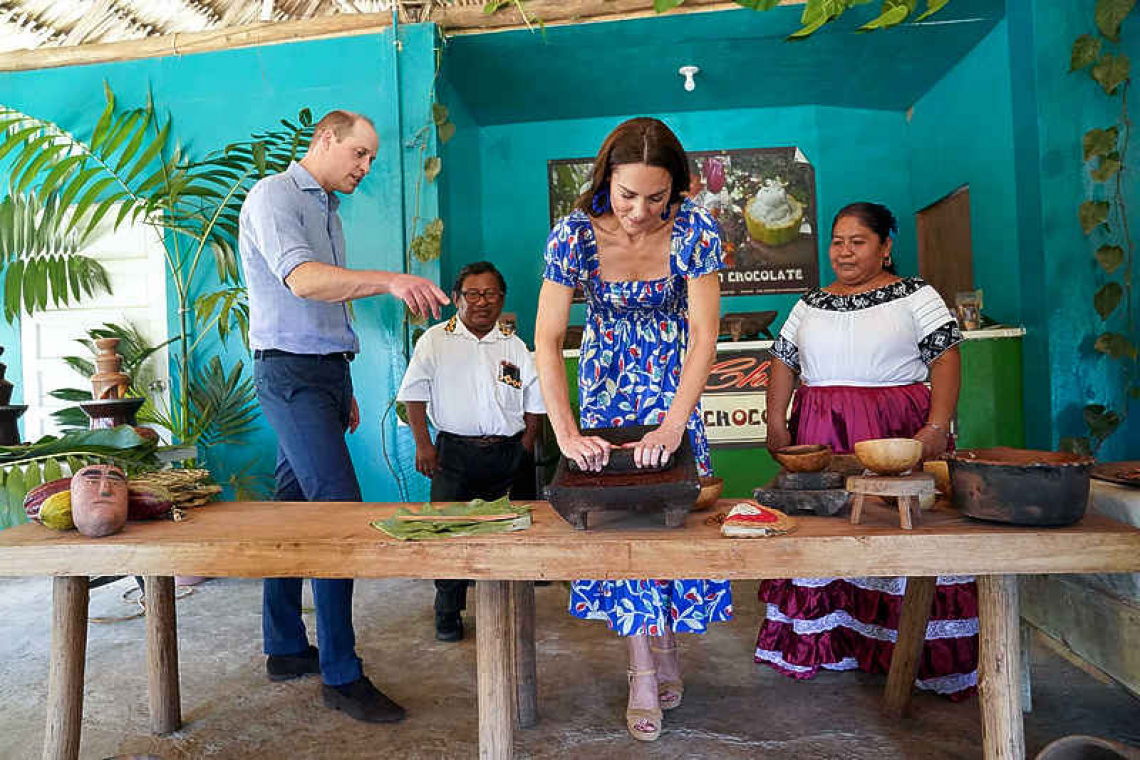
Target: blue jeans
{"type": "Point", "coordinates": [306, 400]}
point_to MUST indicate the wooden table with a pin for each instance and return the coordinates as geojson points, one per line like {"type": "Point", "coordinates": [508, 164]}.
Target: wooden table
{"type": "Point", "coordinates": [267, 539]}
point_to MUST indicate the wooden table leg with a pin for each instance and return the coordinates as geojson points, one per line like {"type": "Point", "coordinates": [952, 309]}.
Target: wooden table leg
{"type": "Point", "coordinates": [999, 668]}
{"type": "Point", "coordinates": [162, 656]}
{"type": "Point", "coordinates": [525, 660]}
{"type": "Point", "coordinates": [64, 706]}
{"type": "Point", "coordinates": [907, 654]}
{"type": "Point", "coordinates": [496, 692]}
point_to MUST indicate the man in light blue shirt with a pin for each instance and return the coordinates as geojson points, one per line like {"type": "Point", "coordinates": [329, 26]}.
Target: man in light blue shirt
{"type": "Point", "coordinates": [292, 249]}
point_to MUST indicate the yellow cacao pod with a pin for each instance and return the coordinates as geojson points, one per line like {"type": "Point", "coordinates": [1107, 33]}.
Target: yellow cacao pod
{"type": "Point", "coordinates": [55, 512]}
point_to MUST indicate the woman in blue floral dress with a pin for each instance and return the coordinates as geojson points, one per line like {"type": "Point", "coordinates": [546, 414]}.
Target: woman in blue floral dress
{"type": "Point", "coordinates": [647, 262]}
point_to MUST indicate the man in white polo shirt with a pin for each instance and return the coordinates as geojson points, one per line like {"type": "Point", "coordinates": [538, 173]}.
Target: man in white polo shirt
{"type": "Point", "coordinates": [475, 380]}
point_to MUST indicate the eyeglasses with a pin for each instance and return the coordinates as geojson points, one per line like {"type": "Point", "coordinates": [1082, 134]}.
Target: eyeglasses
{"type": "Point", "coordinates": [490, 295]}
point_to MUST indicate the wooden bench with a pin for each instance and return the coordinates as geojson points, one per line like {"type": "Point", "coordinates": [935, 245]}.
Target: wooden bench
{"type": "Point", "coordinates": [261, 539]}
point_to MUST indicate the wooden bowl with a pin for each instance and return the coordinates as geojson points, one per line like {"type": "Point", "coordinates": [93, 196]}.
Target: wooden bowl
{"type": "Point", "coordinates": [889, 456]}
{"type": "Point", "coordinates": [711, 488]}
{"type": "Point", "coordinates": [806, 457]}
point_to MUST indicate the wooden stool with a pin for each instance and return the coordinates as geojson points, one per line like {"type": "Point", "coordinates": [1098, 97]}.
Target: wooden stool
{"type": "Point", "coordinates": [908, 488]}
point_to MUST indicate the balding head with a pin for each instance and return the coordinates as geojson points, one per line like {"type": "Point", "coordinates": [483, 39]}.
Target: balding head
{"type": "Point", "coordinates": [341, 152]}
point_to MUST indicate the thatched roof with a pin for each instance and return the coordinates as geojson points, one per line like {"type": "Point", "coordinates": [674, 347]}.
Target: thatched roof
{"type": "Point", "coordinates": [48, 33]}
{"type": "Point", "coordinates": [31, 24]}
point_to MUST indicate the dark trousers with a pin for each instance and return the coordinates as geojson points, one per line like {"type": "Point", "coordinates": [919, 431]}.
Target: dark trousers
{"type": "Point", "coordinates": [306, 400]}
{"type": "Point", "coordinates": [467, 471]}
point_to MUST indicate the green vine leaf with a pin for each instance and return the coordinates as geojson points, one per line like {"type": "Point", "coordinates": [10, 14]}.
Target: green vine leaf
{"type": "Point", "coordinates": [432, 167]}
{"type": "Point", "coordinates": [1101, 420]}
{"type": "Point", "coordinates": [894, 12]}
{"type": "Point", "coordinates": [1109, 166]}
{"type": "Point", "coordinates": [665, 5]}
{"type": "Point", "coordinates": [1100, 142]}
{"type": "Point", "coordinates": [1110, 14]}
{"type": "Point", "coordinates": [446, 131]}
{"type": "Point", "coordinates": [1109, 257]}
{"type": "Point", "coordinates": [439, 113]}
{"type": "Point", "coordinates": [758, 5]}
{"type": "Point", "coordinates": [1115, 345]}
{"type": "Point", "coordinates": [1111, 71]}
{"type": "Point", "coordinates": [932, 7]}
{"type": "Point", "coordinates": [428, 244]}
{"type": "Point", "coordinates": [491, 6]}
{"type": "Point", "coordinates": [1107, 299]}
{"type": "Point", "coordinates": [1093, 214]}
{"type": "Point", "coordinates": [1086, 49]}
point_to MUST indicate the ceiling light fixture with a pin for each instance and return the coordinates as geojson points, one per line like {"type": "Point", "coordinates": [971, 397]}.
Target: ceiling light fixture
{"type": "Point", "coordinates": [687, 72]}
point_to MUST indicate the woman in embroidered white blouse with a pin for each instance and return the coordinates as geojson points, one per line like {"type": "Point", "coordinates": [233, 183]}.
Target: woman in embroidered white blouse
{"type": "Point", "coordinates": [863, 347]}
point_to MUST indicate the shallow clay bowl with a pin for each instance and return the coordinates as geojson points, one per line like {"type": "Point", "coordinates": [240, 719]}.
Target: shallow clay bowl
{"type": "Point", "coordinates": [807, 457]}
{"type": "Point", "coordinates": [710, 492]}
{"type": "Point", "coordinates": [889, 456]}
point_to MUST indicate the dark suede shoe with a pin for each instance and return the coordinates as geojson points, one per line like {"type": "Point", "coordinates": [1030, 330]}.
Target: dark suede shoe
{"type": "Point", "coordinates": [363, 701]}
{"type": "Point", "coordinates": [448, 627]}
{"type": "Point", "coordinates": [285, 667]}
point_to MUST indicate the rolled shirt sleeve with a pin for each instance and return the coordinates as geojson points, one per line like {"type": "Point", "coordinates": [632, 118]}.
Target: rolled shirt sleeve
{"type": "Point", "coordinates": [276, 226]}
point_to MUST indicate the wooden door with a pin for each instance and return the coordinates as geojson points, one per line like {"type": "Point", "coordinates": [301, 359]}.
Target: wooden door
{"type": "Point", "coordinates": [945, 253]}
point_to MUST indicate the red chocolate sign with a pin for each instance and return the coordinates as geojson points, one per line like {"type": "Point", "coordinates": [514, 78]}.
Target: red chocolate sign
{"type": "Point", "coordinates": [733, 402]}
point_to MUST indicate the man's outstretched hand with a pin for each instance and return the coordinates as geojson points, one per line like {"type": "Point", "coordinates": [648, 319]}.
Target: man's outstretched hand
{"type": "Point", "coordinates": [421, 295]}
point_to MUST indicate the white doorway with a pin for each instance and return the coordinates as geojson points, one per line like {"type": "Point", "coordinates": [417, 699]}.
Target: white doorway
{"type": "Point", "coordinates": [133, 258]}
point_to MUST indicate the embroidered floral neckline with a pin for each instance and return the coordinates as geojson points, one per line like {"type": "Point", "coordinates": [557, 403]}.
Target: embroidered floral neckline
{"type": "Point", "coordinates": [821, 299]}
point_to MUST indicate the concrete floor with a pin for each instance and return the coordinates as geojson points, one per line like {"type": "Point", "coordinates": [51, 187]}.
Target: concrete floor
{"type": "Point", "coordinates": [732, 709]}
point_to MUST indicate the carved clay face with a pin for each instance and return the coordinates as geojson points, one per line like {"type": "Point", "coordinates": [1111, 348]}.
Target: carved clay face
{"type": "Point", "coordinates": [99, 500]}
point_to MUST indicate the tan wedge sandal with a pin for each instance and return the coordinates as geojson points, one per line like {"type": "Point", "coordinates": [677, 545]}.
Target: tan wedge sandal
{"type": "Point", "coordinates": [670, 693]}
{"type": "Point", "coordinates": [635, 716]}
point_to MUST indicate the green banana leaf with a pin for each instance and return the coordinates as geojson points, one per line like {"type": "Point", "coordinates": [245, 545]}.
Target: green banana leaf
{"type": "Point", "coordinates": [26, 466]}
{"type": "Point", "coordinates": [426, 531]}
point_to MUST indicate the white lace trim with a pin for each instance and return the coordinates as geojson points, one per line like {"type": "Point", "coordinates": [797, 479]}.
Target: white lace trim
{"type": "Point", "coordinates": [889, 584]}
{"type": "Point", "coordinates": [935, 629]}
{"type": "Point", "coordinates": [948, 684]}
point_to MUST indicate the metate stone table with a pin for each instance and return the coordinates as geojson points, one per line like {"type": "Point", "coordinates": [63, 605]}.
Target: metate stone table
{"type": "Point", "coordinates": [260, 539]}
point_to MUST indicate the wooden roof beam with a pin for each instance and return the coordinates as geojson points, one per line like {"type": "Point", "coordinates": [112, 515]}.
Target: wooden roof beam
{"type": "Point", "coordinates": [453, 20]}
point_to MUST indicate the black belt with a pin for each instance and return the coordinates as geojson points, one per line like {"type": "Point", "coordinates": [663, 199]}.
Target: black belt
{"type": "Point", "coordinates": [482, 440]}
{"type": "Point", "coordinates": [269, 353]}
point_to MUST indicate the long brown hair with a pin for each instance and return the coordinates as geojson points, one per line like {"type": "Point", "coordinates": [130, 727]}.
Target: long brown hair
{"type": "Point", "coordinates": [643, 140]}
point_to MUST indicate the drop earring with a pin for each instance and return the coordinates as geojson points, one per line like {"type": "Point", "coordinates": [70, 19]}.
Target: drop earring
{"type": "Point", "coordinates": [665, 213]}
{"type": "Point", "coordinates": [601, 203]}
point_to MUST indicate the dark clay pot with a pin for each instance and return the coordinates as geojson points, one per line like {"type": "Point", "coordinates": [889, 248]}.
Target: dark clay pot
{"type": "Point", "coordinates": [1020, 486]}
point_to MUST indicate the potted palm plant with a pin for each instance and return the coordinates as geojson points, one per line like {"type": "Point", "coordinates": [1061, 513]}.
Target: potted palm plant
{"type": "Point", "coordinates": [63, 190]}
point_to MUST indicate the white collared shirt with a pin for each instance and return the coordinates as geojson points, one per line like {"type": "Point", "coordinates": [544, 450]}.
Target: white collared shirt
{"type": "Point", "coordinates": [473, 386]}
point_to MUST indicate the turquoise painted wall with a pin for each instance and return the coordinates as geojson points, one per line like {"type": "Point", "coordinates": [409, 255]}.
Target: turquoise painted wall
{"type": "Point", "coordinates": [1052, 110]}
{"type": "Point", "coordinates": [961, 133]}
{"type": "Point", "coordinates": [854, 152]}
{"type": "Point", "coordinates": [220, 97]}
{"type": "Point", "coordinates": [460, 199]}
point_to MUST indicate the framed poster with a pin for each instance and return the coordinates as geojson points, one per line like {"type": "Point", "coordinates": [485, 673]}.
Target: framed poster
{"type": "Point", "coordinates": [764, 200]}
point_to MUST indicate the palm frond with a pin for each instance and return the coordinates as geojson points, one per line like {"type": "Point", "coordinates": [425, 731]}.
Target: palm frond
{"type": "Point", "coordinates": [40, 256]}
{"type": "Point", "coordinates": [227, 309]}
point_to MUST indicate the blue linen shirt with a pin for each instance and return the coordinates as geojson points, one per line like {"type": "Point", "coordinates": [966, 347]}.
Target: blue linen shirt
{"type": "Point", "coordinates": [288, 219]}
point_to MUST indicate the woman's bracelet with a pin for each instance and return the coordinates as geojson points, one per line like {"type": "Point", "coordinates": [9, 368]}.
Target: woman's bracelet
{"type": "Point", "coordinates": [940, 428]}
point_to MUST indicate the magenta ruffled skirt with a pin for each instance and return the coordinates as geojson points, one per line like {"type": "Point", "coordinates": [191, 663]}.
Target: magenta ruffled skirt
{"type": "Point", "coordinates": [852, 623]}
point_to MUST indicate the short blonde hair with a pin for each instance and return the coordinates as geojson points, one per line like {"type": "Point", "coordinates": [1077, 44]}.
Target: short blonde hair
{"type": "Point", "coordinates": [339, 122]}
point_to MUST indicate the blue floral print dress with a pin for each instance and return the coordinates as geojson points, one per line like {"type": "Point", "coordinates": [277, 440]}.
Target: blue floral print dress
{"type": "Point", "coordinates": [628, 372]}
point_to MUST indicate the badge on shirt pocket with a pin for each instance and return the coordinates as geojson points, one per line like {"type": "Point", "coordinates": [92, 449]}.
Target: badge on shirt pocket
{"type": "Point", "coordinates": [510, 375]}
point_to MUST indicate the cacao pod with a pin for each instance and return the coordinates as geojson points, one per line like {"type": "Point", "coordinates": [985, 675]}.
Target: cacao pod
{"type": "Point", "coordinates": [33, 502]}
{"type": "Point", "coordinates": [146, 501]}
{"type": "Point", "coordinates": [714, 174]}
{"type": "Point", "coordinates": [55, 512]}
